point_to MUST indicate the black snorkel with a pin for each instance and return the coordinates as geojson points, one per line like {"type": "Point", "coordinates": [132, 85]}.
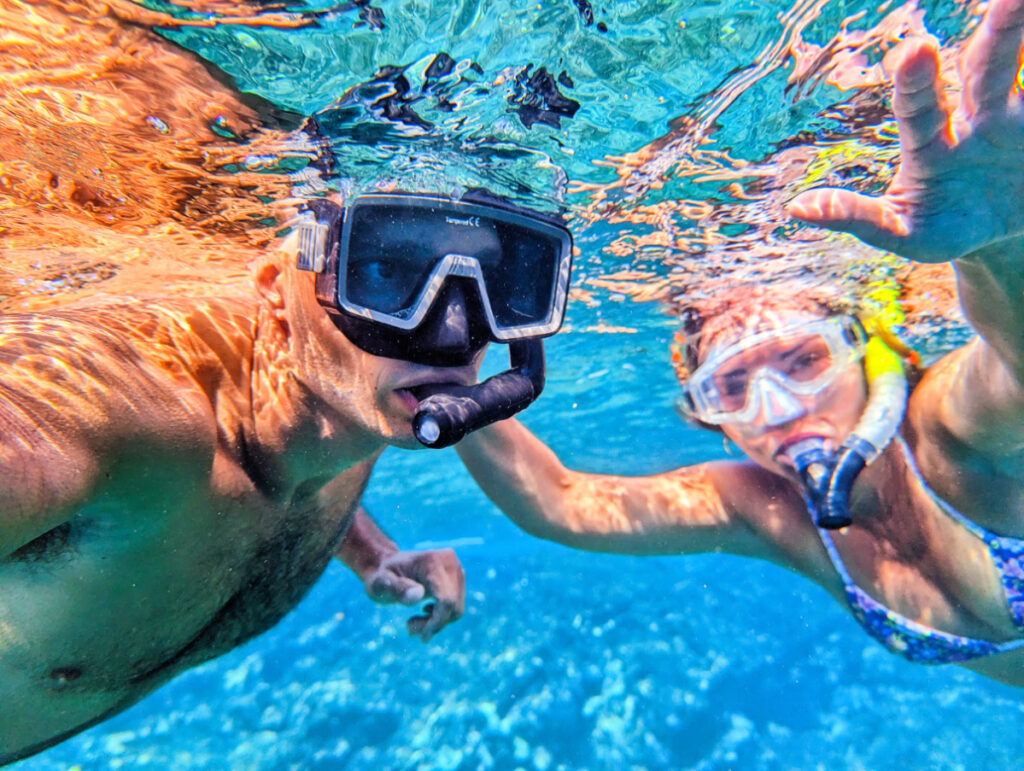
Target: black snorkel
{"type": "Point", "coordinates": [447, 413]}
{"type": "Point", "coordinates": [828, 477]}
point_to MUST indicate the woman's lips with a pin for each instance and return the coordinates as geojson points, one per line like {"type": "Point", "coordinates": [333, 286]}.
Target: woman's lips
{"type": "Point", "coordinates": [781, 454]}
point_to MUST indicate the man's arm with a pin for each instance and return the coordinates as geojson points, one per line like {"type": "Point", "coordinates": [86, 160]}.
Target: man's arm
{"type": "Point", "coordinates": [683, 511]}
{"type": "Point", "coordinates": [364, 549]}
{"type": "Point", "coordinates": [391, 575]}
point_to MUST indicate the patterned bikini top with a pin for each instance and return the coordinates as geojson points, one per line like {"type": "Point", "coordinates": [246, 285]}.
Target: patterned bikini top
{"type": "Point", "coordinates": [923, 644]}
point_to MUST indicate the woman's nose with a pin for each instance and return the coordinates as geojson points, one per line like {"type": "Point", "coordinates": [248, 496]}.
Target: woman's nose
{"type": "Point", "coordinates": [776, 404]}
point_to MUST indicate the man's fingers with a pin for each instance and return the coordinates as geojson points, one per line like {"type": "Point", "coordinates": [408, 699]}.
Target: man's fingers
{"type": "Point", "coordinates": [918, 100]}
{"type": "Point", "coordinates": [417, 624]}
{"type": "Point", "coordinates": [387, 587]}
{"type": "Point", "coordinates": [436, 616]}
{"type": "Point", "coordinates": [873, 220]}
{"type": "Point", "coordinates": [409, 577]}
{"type": "Point", "coordinates": [990, 63]}
{"type": "Point", "coordinates": [448, 588]}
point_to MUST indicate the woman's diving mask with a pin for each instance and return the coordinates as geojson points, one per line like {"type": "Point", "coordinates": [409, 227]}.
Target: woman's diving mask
{"type": "Point", "coordinates": [767, 376]}
{"type": "Point", "coordinates": [432, 280]}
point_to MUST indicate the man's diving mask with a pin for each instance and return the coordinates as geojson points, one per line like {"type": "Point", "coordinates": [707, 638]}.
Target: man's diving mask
{"type": "Point", "coordinates": [431, 280]}
{"type": "Point", "coordinates": [384, 262]}
{"type": "Point", "coordinates": [765, 375]}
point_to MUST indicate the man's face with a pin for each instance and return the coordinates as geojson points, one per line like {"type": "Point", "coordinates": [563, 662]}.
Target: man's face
{"type": "Point", "coordinates": [375, 393]}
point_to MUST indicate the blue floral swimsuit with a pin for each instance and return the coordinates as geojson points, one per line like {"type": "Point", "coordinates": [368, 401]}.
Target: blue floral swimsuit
{"type": "Point", "coordinates": [922, 644]}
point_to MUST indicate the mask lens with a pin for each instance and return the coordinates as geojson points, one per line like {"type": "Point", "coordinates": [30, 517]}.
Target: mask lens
{"type": "Point", "coordinates": [391, 249]}
{"type": "Point", "coordinates": [797, 359]}
{"type": "Point", "coordinates": [387, 263]}
{"type": "Point", "coordinates": [806, 359]}
{"type": "Point", "coordinates": [521, 285]}
{"type": "Point", "coordinates": [730, 384]}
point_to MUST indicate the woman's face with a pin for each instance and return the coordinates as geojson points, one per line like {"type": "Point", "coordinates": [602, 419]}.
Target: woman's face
{"type": "Point", "coordinates": [763, 384]}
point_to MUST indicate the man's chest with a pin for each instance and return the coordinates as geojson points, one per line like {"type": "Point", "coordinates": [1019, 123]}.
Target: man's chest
{"type": "Point", "coordinates": [124, 600]}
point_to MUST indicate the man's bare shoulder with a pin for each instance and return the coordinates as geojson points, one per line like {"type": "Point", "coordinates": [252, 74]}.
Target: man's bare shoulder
{"type": "Point", "coordinates": [138, 364]}
{"type": "Point", "coordinates": [96, 396]}
{"type": "Point", "coordinates": [90, 379]}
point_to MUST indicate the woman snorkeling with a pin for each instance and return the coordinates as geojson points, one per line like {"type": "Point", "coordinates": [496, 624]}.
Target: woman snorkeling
{"type": "Point", "coordinates": [907, 509]}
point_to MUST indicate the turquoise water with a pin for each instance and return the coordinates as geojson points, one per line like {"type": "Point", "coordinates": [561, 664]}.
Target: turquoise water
{"type": "Point", "coordinates": [567, 660]}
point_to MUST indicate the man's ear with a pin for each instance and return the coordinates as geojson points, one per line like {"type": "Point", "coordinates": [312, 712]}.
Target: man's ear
{"type": "Point", "coordinates": [269, 279]}
{"type": "Point", "coordinates": [270, 283]}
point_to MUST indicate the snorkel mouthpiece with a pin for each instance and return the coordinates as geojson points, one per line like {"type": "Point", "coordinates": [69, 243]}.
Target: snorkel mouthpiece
{"type": "Point", "coordinates": [817, 467]}
{"type": "Point", "coordinates": [828, 477]}
{"type": "Point", "coordinates": [447, 412]}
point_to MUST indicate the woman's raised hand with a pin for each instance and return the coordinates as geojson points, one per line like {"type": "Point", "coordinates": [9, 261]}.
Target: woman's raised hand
{"type": "Point", "coordinates": [960, 184]}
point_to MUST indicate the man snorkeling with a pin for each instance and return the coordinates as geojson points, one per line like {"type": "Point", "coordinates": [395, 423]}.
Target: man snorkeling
{"type": "Point", "coordinates": [908, 511]}
{"type": "Point", "coordinates": [179, 471]}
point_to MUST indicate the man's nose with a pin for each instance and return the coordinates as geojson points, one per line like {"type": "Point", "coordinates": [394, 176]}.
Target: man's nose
{"type": "Point", "coordinates": [777, 405]}
{"type": "Point", "coordinates": [446, 326]}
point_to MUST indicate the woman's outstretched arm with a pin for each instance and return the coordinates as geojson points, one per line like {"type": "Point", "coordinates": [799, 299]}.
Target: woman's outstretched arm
{"type": "Point", "coordinates": [680, 511]}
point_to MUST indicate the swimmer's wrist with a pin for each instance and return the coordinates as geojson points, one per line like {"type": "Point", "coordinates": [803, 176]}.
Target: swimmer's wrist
{"type": "Point", "coordinates": [365, 546]}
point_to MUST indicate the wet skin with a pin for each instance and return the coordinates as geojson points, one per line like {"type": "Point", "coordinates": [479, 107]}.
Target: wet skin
{"type": "Point", "coordinates": [176, 471]}
{"type": "Point", "coordinates": [955, 198]}
{"type": "Point", "coordinates": [179, 473]}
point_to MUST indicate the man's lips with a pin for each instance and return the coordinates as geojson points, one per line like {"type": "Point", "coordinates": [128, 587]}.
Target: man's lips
{"type": "Point", "coordinates": [407, 398]}
{"type": "Point", "coordinates": [424, 390]}
{"type": "Point", "coordinates": [411, 394]}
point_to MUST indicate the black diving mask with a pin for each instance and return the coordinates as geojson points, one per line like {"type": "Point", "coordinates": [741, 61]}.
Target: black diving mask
{"type": "Point", "coordinates": [432, 280]}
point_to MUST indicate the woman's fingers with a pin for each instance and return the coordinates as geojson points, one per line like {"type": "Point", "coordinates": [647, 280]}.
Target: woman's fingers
{"type": "Point", "coordinates": [991, 61]}
{"type": "Point", "coordinates": [873, 220]}
{"type": "Point", "coordinates": [918, 100]}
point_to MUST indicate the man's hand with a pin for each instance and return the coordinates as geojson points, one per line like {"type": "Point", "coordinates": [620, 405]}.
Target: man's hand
{"type": "Point", "coordinates": [961, 178]}
{"type": "Point", "coordinates": [411, 576]}
{"type": "Point", "coordinates": [408, 577]}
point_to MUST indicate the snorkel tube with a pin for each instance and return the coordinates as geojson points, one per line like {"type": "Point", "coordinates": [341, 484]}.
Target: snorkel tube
{"type": "Point", "coordinates": [828, 477]}
{"type": "Point", "coordinates": [447, 413]}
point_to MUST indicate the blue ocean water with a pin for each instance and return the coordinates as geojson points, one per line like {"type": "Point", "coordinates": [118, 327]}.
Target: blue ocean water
{"type": "Point", "coordinates": [564, 660]}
